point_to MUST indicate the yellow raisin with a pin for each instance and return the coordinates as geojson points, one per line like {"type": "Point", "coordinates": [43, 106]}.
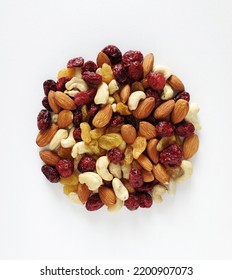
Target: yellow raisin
{"type": "Point", "coordinates": [97, 133]}
{"type": "Point", "coordinates": [66, 72]}
{"type": "Point", "coordinates": [71, 180]}
{"type": "Point", "coordinates": [69, 188]}
{"type": "Point", "coordinates": [139, 146]}
{"type": "Point", "coordinates": [84, 111]}
{"type": "Point", "coordinates": [113, 129]}
{"type": "Point", "coordinates": [96, 149]}
{"type": "Point", "coordinates": [137, 86]}
{"type": "Point", "coordinates": [123, 109]}
{"type": "Point", "coordinates": [110, 141]}
{"type": "Point", "coordinates": [85, 132]}
{"type": "Point", "coordinates": [107, 73]}
{"type": "Point", "coordinates": [128, 155]}
{"type": "Point", "coordinates": [116, 97]}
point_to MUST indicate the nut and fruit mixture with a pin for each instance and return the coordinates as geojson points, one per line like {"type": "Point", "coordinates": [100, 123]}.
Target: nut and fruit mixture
{"type": "Point", "coordinates": [117, 131]}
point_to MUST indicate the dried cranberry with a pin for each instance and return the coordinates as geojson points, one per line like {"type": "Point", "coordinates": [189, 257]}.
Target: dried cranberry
{"type": "Point", "coordinates": [184, 129]}
{"type": "Point", "coordinates": [113, 53]}
{"type": "Point", "coordinates": [182, 95]}
{"type": "Point", "coordinates": [135, 71]}
{"type": "Point", "coordinates": [132, 203]}
{"type": "Point", "coordinates": [77, 117]}
{"type": "Point", "coordinates": [164, 129]}
{"type": "Point", "coordinates": [172, 155]}
{"type": "Point", "coordinates": [131, 56]}
{"type": "Point", "coordinates": [144, 199]}
{"type": "Point", "coordinates": [75, 62]}
{"type": "Point", "coordinates": [116, 120]}
{"type": "Point", "coordinates": [94, 202]}
{"type": "Point", "coordinates": [131, 120]}
{"type": "Point", "coordinates": [86, 164]}
{"type": "Point", "coordinates": [135, 178]}
{"type": "Point", "coordinates": [151, 93]}
{"type": "Point", "coordinates": [107, 183]}
{"type": "Point", "coordinates": [77, 134]}
{"type": "Point", "coordinates": [89, 66]}
{"type": "Point", "coordinates": [93, 109]}
{"type": "Point", "coordinates": [85, 97]}
{"type": "Point", "coordinates": [60, 85]}
{"type": "Point", "coordinates": [44, 119]}
{"type": "Point", "coordinates": [156, 81]}
{"type": "Point", "coordinates": [120, 73]}
{"type": "Point", "coordinates": [115, 155]}
{"type": "Point", "coordinates": [49, 85]}
{"type": "Point", "coordinates": [147, 187]}
{"type": "Point", "coordinates": [50, 173]}
{"type": "Point", "coordinates": [65, 167]}
{"type": "Point", "coordinates": [92, 78]}
{"type": "Point", "coordinates": [46, 104]}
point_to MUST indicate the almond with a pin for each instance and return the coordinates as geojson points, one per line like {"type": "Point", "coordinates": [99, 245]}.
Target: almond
{"type": "Point", "coordinates": [102, 58]}
{"type": "Point", "coordinates": [160, 173]}
{"type": "Point", "coordinates": [144, 108]}
{"type": "Point", "coordinates": [83, 192]}
{"type": "Point", "coordinates": [147, 130]}
{"type": "Point", "coordinates": [103, 116]}
{"type": "Point", "coordinates": [180, 111]}
{"type": "Point", "coordinates": [190, 146]}
{"type": "Point", "coordinates": [49, 157]}
{"type": "Point", "coordinates": [65, 118]}
{"type": "Point", "coordinates": [147, 176]}
{"type": "Point", "coordinates": [164, 110]}
{"type": "Point", "coordinates": [152, 151]}
{"type": "Point", "coordinates": [128, 133]}
{"type": "Point", "coordinates": [145, 162]}
{"type": "Point", "coordinates": [107, 196]}
{"type": "Point", "coordinates": [44, 137]}
{"type": "Point", "coordinates": [51, 101]}
{"type": "Point", "coordinates": [64, 101]}
{"type": "Point", "coordinates": [176, 83]}
{"type": "Point", "coordinates": [125, 93]}
{"type": "Point", "coordinates": [148, 62]}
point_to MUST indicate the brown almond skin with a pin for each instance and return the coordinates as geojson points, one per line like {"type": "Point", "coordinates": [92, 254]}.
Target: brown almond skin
{"type": "Point", "coordinates": [160, 173]}
{"type": "Point", "coordinates": [49, 157]}
{"type": "Point", "coordinates": [152, 151]}
{"type": "Point", "coordinates": [180, 111]}
{"type": "Point", "coordinates": [148, 63]}
{"type": "Point", "coordinates": [128, 133]}
{"type": "Point", "coordinates": [65, 118]}
{"type": "Point", "coordinates": [144, 108]}
{"type": "Point", "coordinates": [44, 137]}
{"type": "Point", "coordinates": [147, 130]}
{"type": "Point", "coordinates": [83, 192]}
{"type": "Point", "coordinates": [147, 176]}
{"type": "Point", "coordinates": [145, 162]}
{"type": "Point", "coordinates": [103, 116]}
{"type": "Point", "coordinates": [51, 101]}
{"type": "Point", "coordinates": [176, 83]}
{"type": "Point", "coordinates": [125, 93]}
{"type": "Point", "coordinates": [102, 58]}
{"type": "Point", "coordinates": [190, 146]}
{"type": "Point", "coordinates": [164, 110]}
{"type": "Point", "coordinates": [107, 196]}
{"type": "Point", "coordinates": [64, 101]}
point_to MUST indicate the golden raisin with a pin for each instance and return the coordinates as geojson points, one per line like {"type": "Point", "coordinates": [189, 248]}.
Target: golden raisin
{"type": "Point", "coordinates": [71, 180]}
{"type": "Point", "coordinates": [97, 133]}
{"type": "Point", "coordinates": [66, 72]}
{"type": "Point", "coordinates": [123, 109]}
{"type": "Point", "coordinates": [84, 111]}
{"type": "Point", "coordinates": [128, 155]}
{"type": "Point", "coordinates": [69, 188]}
{"type": "Point", "coordinates": [110, 141]}
{"type": "Point", "coordinates": [85, 132]}
{"type": "Point", "coordinates": [139, 146]}
{"type": "Point", "coordinates": [96, 149]}
{"type": "Point", "coordinates": [107, 73]}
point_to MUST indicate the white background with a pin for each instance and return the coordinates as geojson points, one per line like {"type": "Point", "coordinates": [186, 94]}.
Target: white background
{"type": "Point", "coordinates": [37, 38]}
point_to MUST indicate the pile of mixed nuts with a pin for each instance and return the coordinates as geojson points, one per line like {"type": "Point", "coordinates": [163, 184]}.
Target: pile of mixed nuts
{"type": "Point", "coordinates": [118, 131]}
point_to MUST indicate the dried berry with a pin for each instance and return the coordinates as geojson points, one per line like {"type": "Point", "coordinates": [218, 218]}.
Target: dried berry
{"type": "Point", "coordinates": [77, 134]}
{"type": "Point", "coordinates": [49, 85]}
{"type": "Point", "coordinates": [135, 178]}
{"type": "Point", "coordinates": [184, 129]}
{"type": "Point", "coordinates": [46, 104]}
{"type": "Point", "coordinates": [164, 129]}
{"type": "Point", "coordinates": [156, 81]}
{"type": "Point", "coordinates": [135, 71]}
{"type": "Point", "coordinates": [107, 183]}
{"type": "Point", "coordinates": [144, 199]}
{"type": "Point", "coordinates": [132, 203]}
{"type": "Point", "coordinates": [94, 202]}
{"type": "Point", "coordinates": [85, 97]}
{"type": "Point", "coordinates": [93, 109]}
{"type": "Point", "coordinates": [116, 120]}
{"type": "Point", "coordinates": [75, 62]}
{"type": "Point", "coordinates": [60, 84]}
{"type": "Point", "coordinates": [92, 78]}
{"type": "Point", "coordinates": [115, 155]}
{"type": "Point", "coordinates": [89, 66]}
{"type": "Point", "coordinates": [132, 120]}
{"type": "Point", "coordinates": [65, 167]}
{"type": "Point", "coordinates": [77, 117]}
{"type": "Point", "coordinates": [86, 164]}
{"type": "Point", "coordinates": [120, 73]}
{"type": "Point", "coordinates": [147, 187]}
{"type": "Point", "coordinates": [113, 53]}
{"type": "Point", "coordinates": [50, 173]}
{"type": "Point", "coordinates": [183, 95]}
{"type": "Point", "coordinates": [172, 155]}
{"type": "Point", "coordinates": [131, 56]}
{"type": "Point", "coordinates": [151, 93]}
{"type": "Point", "coordinates": [44, 120]}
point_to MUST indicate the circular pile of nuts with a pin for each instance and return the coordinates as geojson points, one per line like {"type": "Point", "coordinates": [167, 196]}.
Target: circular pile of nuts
{"type": "Point", "coordinates": [117, 132]}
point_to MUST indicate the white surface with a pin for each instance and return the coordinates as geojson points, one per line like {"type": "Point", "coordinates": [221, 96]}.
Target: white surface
{"type": "Point", "coordinates": [37, 38]}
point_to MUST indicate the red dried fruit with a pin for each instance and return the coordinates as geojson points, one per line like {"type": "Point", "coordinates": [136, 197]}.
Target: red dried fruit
{"type": "Point", "coordinates": [120, 73]}
{"type": "Point", "coordinates": [131, 56]}
{"type": "Point", "coordinates": [60, 85]}
{"type": "Point", "coordinates": [46, 104]}
{"type": "Point", "coordinates": [183, 95]}
{"type": "Point", "coordinates": [86, 164]}
{"type": "Point", "coordinates": [132, 203]}
{"type": "Point", "coordinates": [115, 155]}
{"type": "Point", "coordinates": [49, 85]}
{"type": "Point", "coordinates": [172, 155]}
{"type": "Point", "coordinates": [65, 167]}
{"type": "Point", "coordinates": [85, 97]}
{"type": "Point", "coordinates": [156, 81]}
{"type": "Point", "coordinates": [135, 71]}
{"type": "Point", "coordinates": [44, 120]}
{"type": "Point", "coordinates": [107, 183]}
{"type": "Point", "coordinates": [92, 78]}
{"type": "Point", "coordinates": [77, 117]}
{"type": "Point", "coordinates": [151, 93]}
{"type": "Point", "coordinates": [93, 109]}
{"type": "Point", "coordinates": [116, 120]}
{"type": "Point", "coordinates": [75, 62]}
{"type": "Point", "coordinates": [113, 53]}
{"type": "Point", "coordinates": [144, 199]}
{"type": "Point", "coordinates": [77, 134]}
{"type": "Point", "coordinates": [164, 129]}
{"type": "Point", "coordinates": [147, 187]}
{"type": "Point", "coordinates": [89, 66]}
{"type": "Point", "coordinates": [94, 202]}
{"type": "Point", "coordinates": [184, 129]}
{"type": "Point", "coordinates": [135, 178]}
{"type": "Point", "coordinates": [50, 173]}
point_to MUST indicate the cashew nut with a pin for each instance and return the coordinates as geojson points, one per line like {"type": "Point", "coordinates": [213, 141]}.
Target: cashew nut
{"type": "Point", "coordinates": [172, 187]}
{"type": "Point", "coordinates": [192, 115]}
{"type": "Point", "coordinates": [167, 93]}
{"type": "Point", "coordinates": [187, 168]}
{"type": "Point", "coordinates": [125, 170]}
{"type": "Point", "coordinates": [80, 148]}
{"type": "Point", "coordinates": [115, 207]}
{"type": "Point", "coordinates": [91, 179]}
{"type": "Point", "coordinates": [102, 94]}
{"type": "Point", "coordinates": [120, 190]}
{"type": "Point", "coordinates": [71, 93]}
{"type": "Point", "coordinates": [70, 141]}
{"type": "Point", "coordinates": [77, 84]}
{"type": "Point", "coordinates": [74, 198]}
{"type": "Point", "coordinates": [134, 99]}
{"type": "Point", "coordinates": [163, 69]}
{"type": "Point", "coordinates": [113, 87]}
{"type": "Point", "coordinates": [60, 134]}
{"type": "Point", "coordinates": [115, 170]}
{"type": "Point", "coordinates": [114, 107]}
{"type": "Point", "coordinates": [157, 191]}
{"type": "Point", "coordinates": [101, 167]}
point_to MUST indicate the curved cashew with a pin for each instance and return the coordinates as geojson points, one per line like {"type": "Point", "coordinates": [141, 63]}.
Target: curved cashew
{"type": "Point", "coordinates": [134, 99]}
{"type": "Point", "coordinates": [120, 190]}
{"type": "Point", "coordinates": [157, 191]}
{"type": "Point", "coordinates": [76, 83]}
{"type": "Point", "coordinates": [101, 167]}
{"type": "Point", "coordinates": [116, 207]}
{"type": "Point", "coordinates": [71, 93]}
{"type": "Point", "coordinates": [167, 93]}
{"type": "Point", "coordinates": [172, 187]}
{"type": "Point", "coordinates": [125, 170]}
{"type": "Point", "coordinates": [192, 115]}
{"type": "Point", "coordinates": [113, 87]}
{"type": "Point", "coordinates": [115, 170]}
{"type": "Point", "coordinates": [163, 69]}
{"type": "Point", "coordinates": [60, 134]}
{"type": "Point", "coordinates": [91, 179]}
{"type": "Point", "coordinates": [80, 148]}
{"type": "Point", "coordinates": [102, 94]}
{"type": "Point", "coordinates": [70, 141]}
{"type": "Point", "coordinates": [187, 167]}
{"type": "Point", "coordinates": [74, 198]}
